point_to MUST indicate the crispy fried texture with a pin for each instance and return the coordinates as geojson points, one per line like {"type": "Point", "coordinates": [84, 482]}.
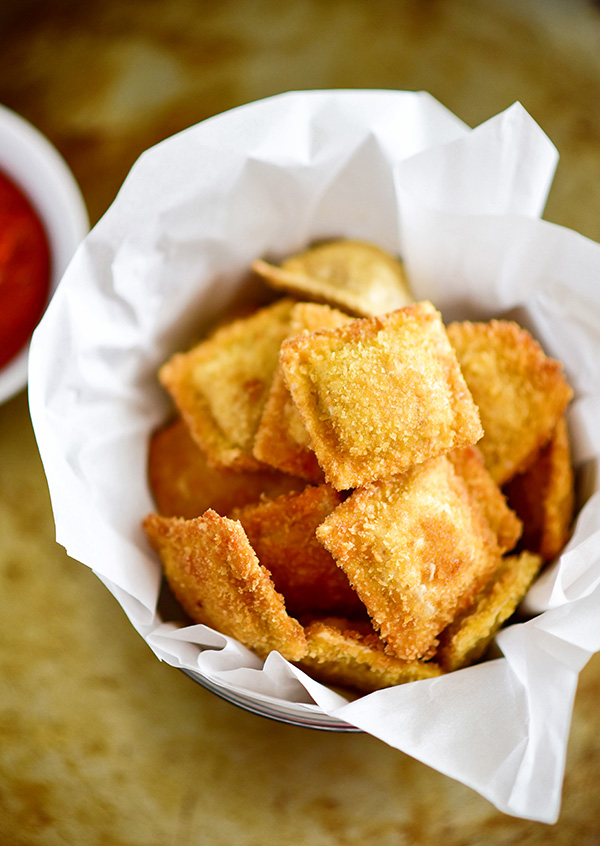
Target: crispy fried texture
{"type": "Point", "coordinates": [220, 386]}
{"type": "Point", "coordinates": [521, 393]}
{"type": "Point", "coordinates": [281, 439]}
{"type": "Point", "coordinates": [341, 653]}
{"type": "Point", "coordinates": [468, 462]}
{"type": "Point", "coordinates": [379, 395]}
{"type": "Point", "coordinates": [214, 573]}
{"type": "Point", "coordinates": [544, 496]}
{"type": "Point", "coordinates": [355, 276]}
{"type": "Point", "coordinates": [416, 550]}
{"type": "Point", "coordinates": [468, 636]}
{"type": "Point", "coordinates": [282, 533]}
{"type": "Point", "coordinates": [183, 484]}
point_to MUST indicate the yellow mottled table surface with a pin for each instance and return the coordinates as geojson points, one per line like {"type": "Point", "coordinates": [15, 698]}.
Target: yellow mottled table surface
{"type": "Point", "coordinates": [100, 743]}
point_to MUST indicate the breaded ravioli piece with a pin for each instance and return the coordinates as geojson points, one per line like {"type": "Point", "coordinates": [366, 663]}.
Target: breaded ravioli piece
{"type": "Point", "coordinates": [282, 533]}
{"type": "Point", "coordinates": [183, 484]}
{"type": "Point", "coordinates": [521, 393]}
{"type": "Point", "coordinates": [356, 276]}
{"type": "Point", "coordinates": [281, 439]}
{"type": "Point", "coordinates": [221, 385]}
{"type": "Point", "coordinates": [215, 574]}
{"type": "Point", "coordinates": [469, 635]}
{"type": "Point", "coordinates": [379, 395]}
{"type": "Point", "coordinates": [468, 463]}
{"type": "Point", "coordinates": [544, 496]}
{"type": "Point", "coordinates": [416, 550]}
{"type": "Point", "coordinates": [344, 654]}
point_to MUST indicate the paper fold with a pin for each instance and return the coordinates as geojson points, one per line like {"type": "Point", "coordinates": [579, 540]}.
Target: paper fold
{"type": "Point", "coordinates": [462, 207]}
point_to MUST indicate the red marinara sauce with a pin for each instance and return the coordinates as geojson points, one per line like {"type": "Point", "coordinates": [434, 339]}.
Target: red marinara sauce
{"type": "Point", "coordinates": [24, 269]}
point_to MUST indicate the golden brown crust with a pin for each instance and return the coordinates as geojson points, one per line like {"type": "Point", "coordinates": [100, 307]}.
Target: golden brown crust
{"type": "Point", "coordinates": [468, 636]}
{"type": "Point", "coordinates": [379, 395]}
{"type": "Point", "coordinates": [220, 386]}
{"type": "Point", "coordinates": [393, 555]}
{"type": "Point", "coordinates": [282, 533]}
{"type": "Point", "coordinates": [183, 484]}
{"type": "Point", "coordinates": [521, 393]}
{"type": "Point", "coordinates": [484, 492]}
{"type": "Point", "coordinates": [355, 276]}
{"type": "Point", "coordinates": [340, 653]}
{"type": "Point", "coordinates": [415, 550]}
{"type": "Point", "coordinates": [214, 573]}
{"type": "Point", "coordinates": [281, 439]}
{"type": "Point", "coordinates": [544, 496]}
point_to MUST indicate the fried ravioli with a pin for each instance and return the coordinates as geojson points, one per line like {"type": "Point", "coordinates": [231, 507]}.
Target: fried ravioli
{"type": "Point", "coordinates": [221, 386]}
{"type": "Point", "coordinates": [183, 484]}
{"type": "Point", "coordinates": [484, 492]}
{"type": "Point", "coordinates": [281, 439]}
{"type": "Point", "coordinates": [355, 276]}
{"type": "Point", "coordinates": [467, 638]}
{"type": "Point", "coordinates": [379, 395]}
{"type": "Point", "coordinates": [544, 496]}
{"type": "Point", "coordinates": [215, 574]}
{"type": "Point", "coordinates": [521, 393]}
{"type": "Point", "coordinates": [282, 533]}
{"type": "Point", "coordinates": [342, 653]}
{"type": "Point", "coordinates": [416, 550]}
{"type": "Point", "coordinates": [354, 484]}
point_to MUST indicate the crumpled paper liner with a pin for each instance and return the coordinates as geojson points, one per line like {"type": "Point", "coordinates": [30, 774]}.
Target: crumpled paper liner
{"type": "Point", "coordinates": [462, 206]}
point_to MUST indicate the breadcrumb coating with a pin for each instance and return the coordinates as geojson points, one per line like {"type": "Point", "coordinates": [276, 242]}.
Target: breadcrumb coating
{"type": "Point", "coordinates": [184, 484]}
{"type": "Point", "coordinates": [544, 496]}
{"type": "Point", "coordinates": [356, 276]}
{"type": "Point", "coordinates": [379, 395]}
{"type": "Point", "coordinates": [469, 635]}
{"type": "Point", "coordinates": [221, 386]}
{"type": "Point", "coordinates": [521, 393]}
{"type": "Point", "coordinates": [216, 576]}
{"type": "Point", "coordinates": [485, 493]}
{"type": "Point", "coordinates": [416, 551]}
{"type": "Point", "coordinates": [342, 653]}
{"type": "Point", "coordinates": [282, 533]}
{"type": "Point", "coordinates": [281, 439]}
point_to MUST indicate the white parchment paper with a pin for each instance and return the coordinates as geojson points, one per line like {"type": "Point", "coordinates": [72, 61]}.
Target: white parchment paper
{"type": "Point", "coordinates": [463, 207]}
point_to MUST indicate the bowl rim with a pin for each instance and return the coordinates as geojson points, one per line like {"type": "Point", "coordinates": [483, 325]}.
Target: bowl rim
{"type": "Point", "coordinates": [306, 716]}
{"type": "Point", "coordinates": [31, 161]}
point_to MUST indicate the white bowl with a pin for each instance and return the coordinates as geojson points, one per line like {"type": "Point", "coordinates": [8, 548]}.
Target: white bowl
{"type": "Point", "coordinates": [36, 167]}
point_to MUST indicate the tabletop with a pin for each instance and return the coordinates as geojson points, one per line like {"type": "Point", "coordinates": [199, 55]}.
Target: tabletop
{"type": "Point", "coordinates": [100, 743]}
